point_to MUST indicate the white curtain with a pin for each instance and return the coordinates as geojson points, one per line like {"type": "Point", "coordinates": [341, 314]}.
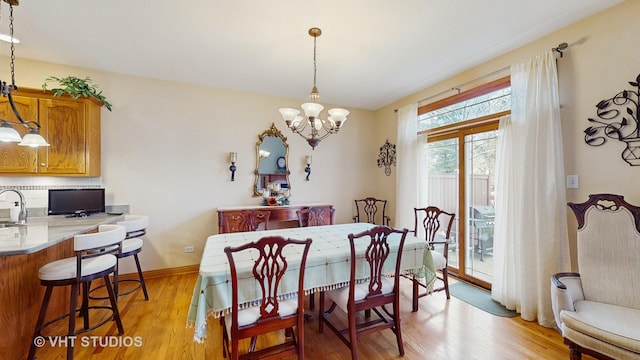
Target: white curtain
{"type": "Point", "coordinates": [410, 165]}
{"type": "Point", "coordinates": [531, 237]}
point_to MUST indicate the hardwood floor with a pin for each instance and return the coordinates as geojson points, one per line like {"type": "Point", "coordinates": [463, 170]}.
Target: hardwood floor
{"type": "Point", "coordinates": [440, 330]}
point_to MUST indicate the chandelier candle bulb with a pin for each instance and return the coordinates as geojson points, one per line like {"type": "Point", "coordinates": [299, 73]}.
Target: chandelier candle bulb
{"type": "Point", "coordinates": [308, 159]}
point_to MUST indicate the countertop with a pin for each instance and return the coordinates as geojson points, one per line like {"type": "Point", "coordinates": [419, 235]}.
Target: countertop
{"type": "Point", "coordinates": [42, 232]}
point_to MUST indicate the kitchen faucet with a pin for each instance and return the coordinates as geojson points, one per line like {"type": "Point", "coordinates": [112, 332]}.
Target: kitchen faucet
{"type": "Point", "coordinates": [22, 215]}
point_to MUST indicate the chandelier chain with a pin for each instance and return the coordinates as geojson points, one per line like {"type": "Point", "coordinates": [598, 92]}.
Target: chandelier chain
{"type": "Point", "coordinates": [314, 61]}
{"type": "Point", "coordinates": [13, 56]}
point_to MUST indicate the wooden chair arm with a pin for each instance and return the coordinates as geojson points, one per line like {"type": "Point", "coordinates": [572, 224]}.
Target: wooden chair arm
{"type": "Point", "coordinates": [445, 243]}
{"type": "Point", "coordinates": [557, 282]}
{"type": "Point", "coordinates": [566, 289]}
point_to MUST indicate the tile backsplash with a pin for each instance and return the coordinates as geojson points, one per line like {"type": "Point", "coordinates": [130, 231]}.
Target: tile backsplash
{"type": "Point", "coordinates": [36, 189]}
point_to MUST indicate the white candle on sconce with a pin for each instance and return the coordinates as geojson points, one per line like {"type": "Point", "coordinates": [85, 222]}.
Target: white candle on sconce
{"type": "Point", "coordinates": [308, 159]}
{"type": "Point", "coordinates": [233, 156]}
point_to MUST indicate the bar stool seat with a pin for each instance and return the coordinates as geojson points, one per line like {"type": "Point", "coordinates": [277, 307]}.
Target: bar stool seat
{"type": "Point", "coordinates": [130, 245]}
{"type": "Point", "coordinates": [66, 269]}
{"type": "Point", "coordinates": [136, 226]}
{"type": "Point", "coordinates": [96, 257]}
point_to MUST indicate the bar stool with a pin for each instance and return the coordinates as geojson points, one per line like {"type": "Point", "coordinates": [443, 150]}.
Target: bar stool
{"type": "Point", "coordinates": [95, 258]}
{"type": "Point", "coordinates": [136, 227]}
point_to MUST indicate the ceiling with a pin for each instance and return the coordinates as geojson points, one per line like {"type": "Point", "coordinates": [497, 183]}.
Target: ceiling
{"type": "Point", "coordinates": [371, 52]}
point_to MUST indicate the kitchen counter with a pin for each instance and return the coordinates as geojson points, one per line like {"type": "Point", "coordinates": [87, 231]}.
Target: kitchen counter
{"type": "Point", "coordinates": [42, 232]}
{"type": "Point", "coordinates": [23, 250]}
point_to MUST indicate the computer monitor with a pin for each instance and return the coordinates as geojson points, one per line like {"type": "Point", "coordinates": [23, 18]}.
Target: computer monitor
{"type": "Point", "coordinates": [76, 202]}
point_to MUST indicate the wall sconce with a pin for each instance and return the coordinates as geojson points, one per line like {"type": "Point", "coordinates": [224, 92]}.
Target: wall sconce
{"type": "Point", "coordinates": [233, 157]}
{"type": "Point", "coordinates": [308, 168]}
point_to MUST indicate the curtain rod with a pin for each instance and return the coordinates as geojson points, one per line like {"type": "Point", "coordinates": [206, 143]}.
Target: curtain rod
{"type": "Point", "coordinates": [559, 49]}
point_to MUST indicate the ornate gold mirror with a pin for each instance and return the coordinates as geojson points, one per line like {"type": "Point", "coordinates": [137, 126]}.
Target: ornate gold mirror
{"type": "Point", "coordinates": [272, 161]}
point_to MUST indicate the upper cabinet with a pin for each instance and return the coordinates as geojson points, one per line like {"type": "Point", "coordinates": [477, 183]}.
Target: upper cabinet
{"type": "Point", "coordinates": [72, 128]}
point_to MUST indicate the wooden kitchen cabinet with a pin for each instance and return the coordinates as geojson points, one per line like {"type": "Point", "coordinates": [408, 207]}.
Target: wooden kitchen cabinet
{"type": "Point", "coordinates": [16, 159]}
{"type": "Point", "coordinates": [72, 128]}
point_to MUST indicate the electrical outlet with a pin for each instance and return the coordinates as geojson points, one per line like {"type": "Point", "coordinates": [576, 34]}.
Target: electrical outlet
{"type": "Point", "coordinates": [573, 182]}
{"type": "Point", "coordinates": [188, 249]}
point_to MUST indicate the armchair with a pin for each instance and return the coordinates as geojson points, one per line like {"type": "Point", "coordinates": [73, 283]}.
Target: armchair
{"type": "Point", "coordinates": [598, 309]}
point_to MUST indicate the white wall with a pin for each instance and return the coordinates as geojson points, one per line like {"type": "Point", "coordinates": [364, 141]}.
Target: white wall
{"type": "Point", "coordinates": [602, 58]}
{"type": "Point", "coordinates": [165, 152]}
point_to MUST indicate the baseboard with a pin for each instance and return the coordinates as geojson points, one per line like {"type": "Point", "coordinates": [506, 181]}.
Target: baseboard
{"type": "Point", "coordinates": [161, 273]}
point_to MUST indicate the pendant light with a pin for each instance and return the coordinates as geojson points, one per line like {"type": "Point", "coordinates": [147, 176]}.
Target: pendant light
{"type": "Point", "coordinates": [7, 131]}
{"type": "Point", "coordinates": [319, 128]}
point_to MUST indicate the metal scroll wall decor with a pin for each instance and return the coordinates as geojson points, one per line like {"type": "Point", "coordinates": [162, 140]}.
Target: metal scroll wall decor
{"type": "Point", "coordinates": [618, 119]}
{"type": "Point", "coordinates": [387, 157]}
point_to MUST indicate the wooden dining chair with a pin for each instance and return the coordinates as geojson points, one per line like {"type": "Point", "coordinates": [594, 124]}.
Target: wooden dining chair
{"type": "Point", "coordinates": [315, 216]}
{"type": "Point", "coordinates": [371, 210]}
{"type": "Point", "coordinates": [371, 295]}
{"type": "Point", "coordinates": [273, 313]}
{"type": "Point", "coordinates": [244, 220]}
{"type": "Point", "coordinates": [436, 225]}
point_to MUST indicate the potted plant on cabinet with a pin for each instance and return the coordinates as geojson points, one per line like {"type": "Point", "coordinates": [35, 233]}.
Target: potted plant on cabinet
{"type": "Point", "coordinates": [76, 87]}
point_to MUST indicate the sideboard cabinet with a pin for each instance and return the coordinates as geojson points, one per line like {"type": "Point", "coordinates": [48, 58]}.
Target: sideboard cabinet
{"type": "Point", "coordinates": [70, 126]}
{"type": "Point", "coordinates": [282, 213]}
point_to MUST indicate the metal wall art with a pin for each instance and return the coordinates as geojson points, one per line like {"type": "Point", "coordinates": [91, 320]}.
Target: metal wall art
{"type": "Point", "coordinates": [618, 119]}
{"type": "Point", "coordinates": [387, 157]}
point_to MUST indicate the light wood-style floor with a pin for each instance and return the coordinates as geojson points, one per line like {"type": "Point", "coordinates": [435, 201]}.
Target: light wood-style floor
{"type": "Point", "coordinates": [440, 330]}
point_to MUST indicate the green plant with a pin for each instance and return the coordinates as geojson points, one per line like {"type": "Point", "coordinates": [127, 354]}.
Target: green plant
{"type": "Point", "coordinates": [76, 87]}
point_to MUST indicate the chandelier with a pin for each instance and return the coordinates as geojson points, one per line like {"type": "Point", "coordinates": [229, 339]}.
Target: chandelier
{"type": "Point", "coordinates": [319, 128]}
{"type": "Point", "coordinates": [7, 131]}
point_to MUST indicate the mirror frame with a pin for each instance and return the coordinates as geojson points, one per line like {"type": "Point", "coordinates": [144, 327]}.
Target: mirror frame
{"type": "Point", "coordinates": [272, 131]}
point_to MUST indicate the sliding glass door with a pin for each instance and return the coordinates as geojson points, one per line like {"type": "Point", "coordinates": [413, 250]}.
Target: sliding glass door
{"type": "Point", "coordinates": [465, 159]}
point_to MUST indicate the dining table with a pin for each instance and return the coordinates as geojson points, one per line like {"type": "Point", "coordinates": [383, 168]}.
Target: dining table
{"type": "Point", "coordinates": [327, 267]}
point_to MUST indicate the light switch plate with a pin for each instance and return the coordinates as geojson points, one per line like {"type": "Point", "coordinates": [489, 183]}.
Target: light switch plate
{"type": "Point", "coordinates": [573, 182]}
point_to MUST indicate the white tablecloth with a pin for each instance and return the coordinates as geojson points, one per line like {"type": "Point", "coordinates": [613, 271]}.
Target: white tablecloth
{"type": "Point", "coordinates": [327, 267]}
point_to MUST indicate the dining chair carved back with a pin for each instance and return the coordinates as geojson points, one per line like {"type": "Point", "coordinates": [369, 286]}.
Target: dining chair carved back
{"type": "Point", "coordinates": [244, 220]}
{"type": "Point", "coordinates": [435, 224]}
{"type": "Point", "coordinates": [315, 216]}
{"type": "Point", "coordinates": [372, 294]}
{"type": "Point", "coordinates": [272, 313]}
{"type": "Point", "coordinates": [371, 210]}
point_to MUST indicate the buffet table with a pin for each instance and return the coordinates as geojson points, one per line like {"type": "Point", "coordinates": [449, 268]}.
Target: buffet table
{"type": "Point", "coordinates": [281, 213]}
{"type": "Point", "coordinates": [327, 267]}
{"type": "Point", "coordinates": [23, 250]}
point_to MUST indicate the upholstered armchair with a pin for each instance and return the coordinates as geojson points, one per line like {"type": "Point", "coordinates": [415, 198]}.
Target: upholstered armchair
{"type": "Point", "coordinates": [598, 309]}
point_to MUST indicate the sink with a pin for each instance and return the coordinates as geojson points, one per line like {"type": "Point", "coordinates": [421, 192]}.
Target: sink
{"type": "Point", "coordinates": [7, 223]}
